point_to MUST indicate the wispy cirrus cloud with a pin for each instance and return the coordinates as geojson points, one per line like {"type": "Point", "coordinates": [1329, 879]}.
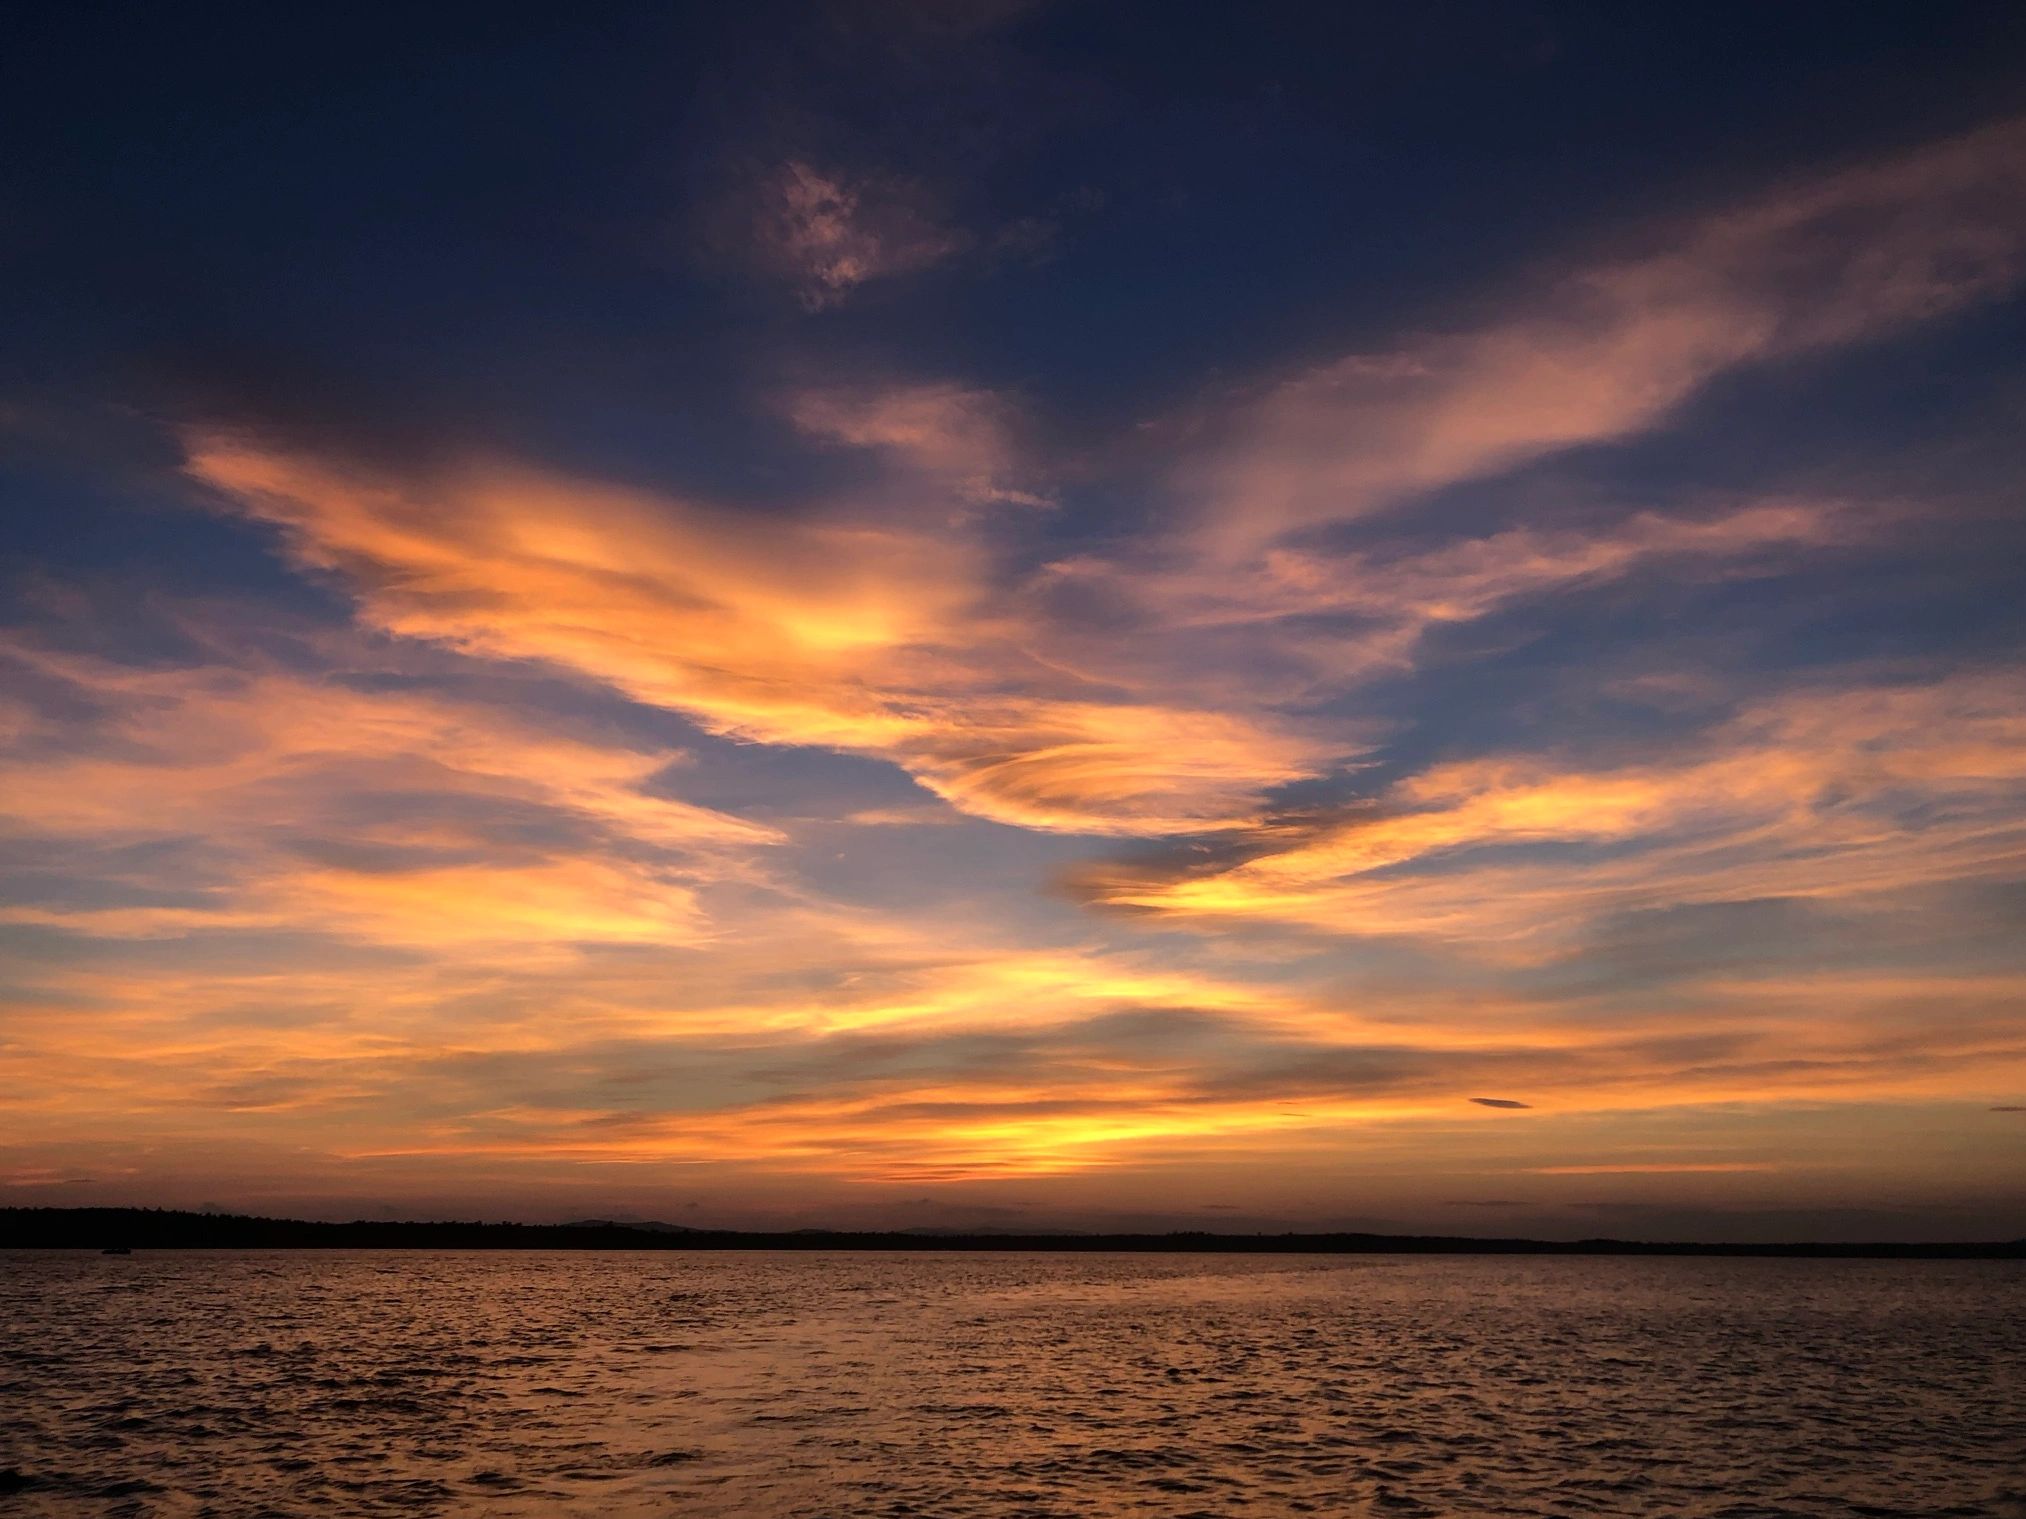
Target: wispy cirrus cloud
{"type": "Point", "coordinates": [1310, 623]}
{"type": "Point", "coordinates": [1611, 347]}
{"type": "Point", "coordinates": [953, 441]}
{"type": "Point", "coordinates": [851, 634]}
{"type": "Point", "coordinates": [214, 798]}
{"type": "Point", "coordinates": [1839, 793]}
{"type": "Point", "coordinates": [850, 626]}
{"type": "Point", "coordinates": [1083, 1093]}
{"type": "Point", "coordinates": [870, 630]}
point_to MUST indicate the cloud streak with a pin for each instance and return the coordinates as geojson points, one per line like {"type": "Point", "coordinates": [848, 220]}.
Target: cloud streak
{"type": "Point", "coordinates": [1813, 794]}
{"type": "Point", "coordinates": [1613, 348]}
{"type": "Point", "coordinates": [258, 798]}
{"type": "Point", "coordinates": [834, 632]}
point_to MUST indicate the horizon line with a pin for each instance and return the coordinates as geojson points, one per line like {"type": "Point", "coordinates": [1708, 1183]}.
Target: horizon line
{"type": "Point", "coordinates": [174, 1228]}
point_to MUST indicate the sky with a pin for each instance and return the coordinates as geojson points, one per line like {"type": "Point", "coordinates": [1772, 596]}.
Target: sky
{"type": "Point", "coordinates": [1054, 615]}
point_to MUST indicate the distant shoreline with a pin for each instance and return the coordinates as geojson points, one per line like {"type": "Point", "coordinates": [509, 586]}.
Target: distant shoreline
{"type": "Point", "coordinates": [162, 1229]}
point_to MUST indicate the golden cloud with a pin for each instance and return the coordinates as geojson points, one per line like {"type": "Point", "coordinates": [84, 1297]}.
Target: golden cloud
{"type": "Point", "coordinates": [807, 631]}
{"type": "Point", "coordinates": [1800, 796]}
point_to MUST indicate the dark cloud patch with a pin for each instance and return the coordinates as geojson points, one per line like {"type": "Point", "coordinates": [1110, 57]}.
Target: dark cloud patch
{"type": "Point", "coordinates": [1499, 1102]}
{"type": "Point", "coordinates": [1295, 1072]}
{"type": "Point", "coordinates": [1135, 1036]}
{"type": "Point", "coordinates": [1172, 861]}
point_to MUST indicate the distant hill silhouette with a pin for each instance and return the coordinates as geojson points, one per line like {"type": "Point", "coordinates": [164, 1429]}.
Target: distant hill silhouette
{"type": "Point", "coordinates": [653, 1226]}
{"type": "Point", "coordinates": [165, 1229]}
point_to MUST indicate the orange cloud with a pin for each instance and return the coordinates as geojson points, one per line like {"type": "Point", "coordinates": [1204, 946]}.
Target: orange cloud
{"type": "Point", "coordinates": [1796, 797]}
{"type": "Point", "coordinates": [861, 1052]}
{"type": "Point", "coordinates": [393, 815]}
{"type": "Point", "coordinates": [1043, 1112]}
{"type": "Point", "coordinates": [892, 641]}
{"type": "Point", "coordinates": [820, 631]}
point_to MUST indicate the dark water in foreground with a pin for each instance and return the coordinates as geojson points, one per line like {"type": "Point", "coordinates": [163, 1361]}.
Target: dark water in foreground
{"type": "Point", "coordinates": [929, 1385]}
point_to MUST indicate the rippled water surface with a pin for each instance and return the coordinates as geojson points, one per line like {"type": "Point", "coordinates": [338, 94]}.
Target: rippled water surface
{"type": "Point", "coordinates": [997, 1384]}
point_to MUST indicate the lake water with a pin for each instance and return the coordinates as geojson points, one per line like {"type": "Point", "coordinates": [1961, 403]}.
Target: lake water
{"type": "Point", "coordinates": [995, 1384]}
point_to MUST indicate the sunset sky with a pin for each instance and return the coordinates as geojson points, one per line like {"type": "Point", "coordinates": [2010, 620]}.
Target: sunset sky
{"type": "Point", "coordinates": [1081, 614]}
